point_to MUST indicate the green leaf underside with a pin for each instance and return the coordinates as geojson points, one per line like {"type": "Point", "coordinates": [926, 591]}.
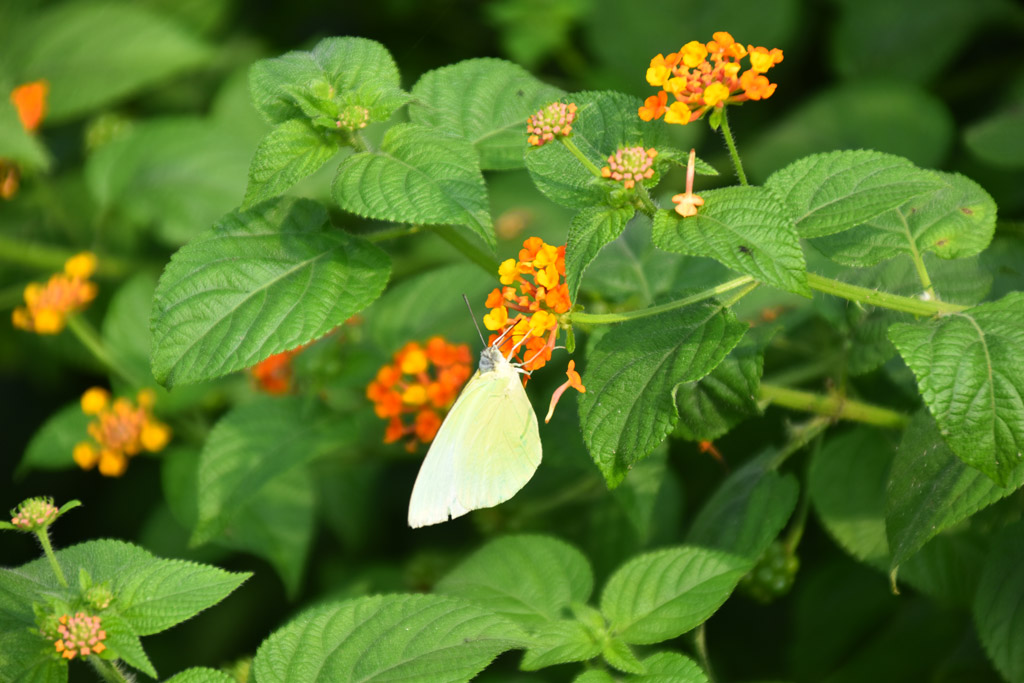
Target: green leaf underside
{"type": "Point", "coordinates": [528, 579]}
{"type": "Point", "coordinates": [419, 176]}
{"type": "Point", "coordinates": [714, 404]}
{"type": "Point", "coordinates": [632, 375]}
{"type": "Point", "coordinates": [604, 122]}
{"type": "Point", "coordinates": [485, 101]}
{"type": "Point", "coordinates": [930, 489]}
{"type": "Point", "coordinates": [969, 372]}
{"type": "Point", "coordinates": [591, 229]}
{"type": "Point", "coordinates": [252, 445]}
{"type": "Point", "coordinates": [559, 642]}
{"type": "Point", "coordinates": [661, 595]}
{"type": "Point", "coordinates": [742, 228]}
{"type": "Point", "coordinates": [666, 667]}
{"type": "Point", "coordinates": [357, 66]}
{"type": "Point", "coordinates": [999, 603]}
{"type": "Point", "coordinates": [831, 192]}
{"type": "Point", "coordinates": [386, 638]}
{"type": "Point", "coordinates": [954, 222]}
{"type": "Point", "coordinates": [201, 675]}
{"type": "Point", "coordinates": [289, 153]}
{"type": "Point", "coordinates": [260, 282]}
{"type": "Point", "coordinates": [747, 511]}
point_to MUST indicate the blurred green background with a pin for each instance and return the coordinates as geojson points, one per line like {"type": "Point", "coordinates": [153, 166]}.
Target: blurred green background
{"type": "Point", "coordinates": [149, 137]}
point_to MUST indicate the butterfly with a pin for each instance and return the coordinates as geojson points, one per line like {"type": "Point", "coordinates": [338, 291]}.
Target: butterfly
{"type": "Point", "coordinates": [486, 450]}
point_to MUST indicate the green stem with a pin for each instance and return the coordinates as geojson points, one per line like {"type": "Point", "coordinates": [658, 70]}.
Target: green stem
{"type": "Point", "coordinates": [91, 340]}
{"type": "Point", "coordinates": [802, 373]}
{"type": "Point", "coordinates": [836, 407]}
{"type": "Point", "coordinates": [50, 258]}
{"type": "Point", "coordinates": [44, 539]}
{"type": "Point", "coordinates": [874, 297]}
{"type": "Point", "coordinates": [796, 529]}
{"type": "Point", "coordinates": [108, 671]}
{"type": "Point", "coordinates": [607, 318]}
{"type": "Point", "coordinates": [800, 436]}
{"type": "Point", "coordinates": [393, 233]}
{"type": "Point", "coordinates": [922, 272]}
{"type": "Point", "coordinates": [646, 204]}
{"type": "Point", "coordinates": [700, 644]}
{"type": "Point", "coordinates": [571, 146]}
{"type": "Point", "coordinates": [733, 152]}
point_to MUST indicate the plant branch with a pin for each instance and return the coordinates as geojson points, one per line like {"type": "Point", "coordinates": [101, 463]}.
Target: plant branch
{"type": "Point", "coordinates": [91, 340]}
{"type": "Point", "coordinates": [575, 151]}
{"type": "Point", "coordinates": [874, 297]}
{"type": "Point", "coordinates": [607, 318]}
{"type": "Point", "coordinates": [836, 407]}
{"type": "Point", "coordinates": [733, 152]}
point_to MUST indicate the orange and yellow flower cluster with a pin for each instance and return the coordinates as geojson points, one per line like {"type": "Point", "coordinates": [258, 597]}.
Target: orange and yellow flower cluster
{"type": "Point", "coordinates": [29, 100]}
{"type": "Point", "coordinates": [554, 120]}
{"type": "Point", "coordinates": [120, 431]}
{"type": "Point", "coordinates": [422, 382]}
{"type": "Point", "coordinates": [80, 635]}
{"type": "Point", "coordinates": [535, 291]}
{"type": "Point", "coordinates": [47, 306]}
{"type": "Point", "coordinates": [702, 76]}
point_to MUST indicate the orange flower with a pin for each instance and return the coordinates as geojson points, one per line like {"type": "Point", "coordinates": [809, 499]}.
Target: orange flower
{"type": "Point", "coordinates": [120, 431]}
{"type": "Point", "coordinates": [273, 375]}
{"type": "Point", "coordinates": [30, 101]}
{"type": "Point", "coordinates": [687, 202]}
{"type": "Point", "coordinates": [423, 382]}
{"type": "Point", "coordinates": [707, 76]}
{"type": "Point", "coordinates": [574, 380]}
{"type": "Point", "coordinates": [531, 305]}
{"type": "Point", "coordinates": [554, 120]}
{"type": "Point", "coordinates": [47, 306]}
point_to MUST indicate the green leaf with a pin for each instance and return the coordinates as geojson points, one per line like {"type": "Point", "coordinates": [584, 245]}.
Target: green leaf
{"type": "Point", "coordinates": [182, 174]}
{"type": "Point", "coordinates": [956, 221]}
{"type": "Point", "coordinates": [632, 375]}
{"type": "Point", "coordinates": [591, 229]}
{"type": "Point", "coordinates": [996, 139]}
{"type": "Point", "coordinates": [529, 579]}
{"type": "Point", "coordinates": [200, 674]}
{"type": "Point", "coordinates": [968, 370]}
{"type": "Point", "coordinates": [289, 153]}
{"type": "Point", "coordinates": [51, 446]}
{"type": "Point", "coordinates": [664, 594]}
{"type": "Point", "coordinates": [260, 282]}
{"type": "Point", "coordinates": [17, 144]}
{"type": "Point", "coordinates": [670, 667]}
{"type": "Point", "coordinates": [930, 489]}
{"type": "Point", "coordinates": [252, 445]}
{"type": "Point", "coordinates": [94, 53]}
{"type": "Point", "coordinates": [619, 655]}
{"type": "Point", "coordinates": [359, 70]}
{"type": "Point", "coordinates": [485, 101]}
{"type": "Point", "coordinates": [420, 175]}
{"type": "Point", "coordinates": [26, 658]}
{"type": "Point", "coordinates": [386, 638]}
{"type": "Point", "coordinates": [742, 228]}
{"type": "Point", "coordinates": [999, 603]}
{"type": "Point", "coordinates": [559, 642]}
{"type": "Point", "coordinates": [595, 676]}
{"type": "Point", "coordinates": [832, 192]}
{"type": "Point", "coordinates": [123, 641]}
{"type": "Point", "coordinates": [604, 122]}
{"type": "Point", "coordinates": [714, 404]}
{"type": "Point", "coordinates": [747, 511]}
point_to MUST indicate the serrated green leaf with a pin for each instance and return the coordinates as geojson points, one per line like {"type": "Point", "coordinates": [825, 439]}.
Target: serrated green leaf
{"type": "Point", "coordinates": [595, 676]}
{"type": "Point", "coordinates": [359, 69]}
{"type": "Point", "coordinates": [181, 174]}
{"type": "Point", "coordinates": [201, 674]}
{"type": "Point", "coordinates": [26, 658]}
{"type": "Point", "coordinates": [420, 175]}
{"type": "Point", "coordinates": [289, 153]}
{"type": "Point", "coordinates": [485, 101]}
{"type": "Point", "coordinates": [632, 374]}
{"type": "Point", "coordinates": [999, 603]}
{"type": "Point", "coordinates": [604, 122]}
{"type": "Point", "coordinates": [664, 594]}
{"type": "Point", "coordinates": [51, 446]}
{"type": "Point", "coordinates": [591, 229]}
{"type": "Point", "coordinates": [260, 282]}
{"type": "Point", "coordinates": [954, 222]}
{"type": "Point", "coordinates": [619, 655]}
{"type": "Point", "coordinates": [969, 372]}
{"type": "Point", "coordinates": [531, 580]}
{"type": "Point", "coordinates": [742, 228]}
{"type": "Point", "coordinates": [670, 667]}
{"type": "Point", "coordinates": [747, 511]}
{"type": "Point", "coordinates": [386, 638]}
{"type": "Point", "coordinates": [930, 489]}
{"type": "Point", "coordinates": [559, 642]}
{"type": "Point", "coordinates": [714, 404]}
{"type": "Point", "coordinates": [832, 192]}
{"type": "Point", "coordinates": [17, 144]}
{"type": "Point", "coordinates": [93, 53]}
{"type": "Point", "coordinates": [122, 640]}
{"type": "Point", "coordinates": [253, 444]}
{"type": "Point", "coordinates": [996, 139]}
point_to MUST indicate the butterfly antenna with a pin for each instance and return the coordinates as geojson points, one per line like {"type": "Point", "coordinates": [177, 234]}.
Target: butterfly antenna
{"type": "Point", "coordinates": [475, 324]}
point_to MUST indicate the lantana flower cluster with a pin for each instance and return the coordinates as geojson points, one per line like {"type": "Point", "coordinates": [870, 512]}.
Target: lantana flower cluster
{"type": "Point", "coordinates": [702, 76]}
{"type": "Point", "coordinates": [29, 99]}
{"type": "Point", "coordinates": [120, 431]}
{"type": "Point", "coordinates": [554, 120]}
{"type": "Point", "coordinates": [273, 375]}
{"type": "Point", "coordinates": [536, 294]}
{"type": "Point", "coordinates": [630, 165]}
{"type": "Point", "coordinates": [418, 388]}
{"type": "Point", "coordinates": [47, 306]}
{"type": "Point", "coordinates": [81, 635]}
{"type": "Point", "coordinates": [34, 514]}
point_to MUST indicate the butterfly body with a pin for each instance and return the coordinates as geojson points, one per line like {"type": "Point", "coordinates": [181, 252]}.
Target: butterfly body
{"type": "Point", "coordinates": [486, 450]}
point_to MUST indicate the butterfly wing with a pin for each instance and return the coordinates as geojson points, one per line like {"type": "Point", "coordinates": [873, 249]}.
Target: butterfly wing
{"type": "Point", "coordinates": [486, 450]}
